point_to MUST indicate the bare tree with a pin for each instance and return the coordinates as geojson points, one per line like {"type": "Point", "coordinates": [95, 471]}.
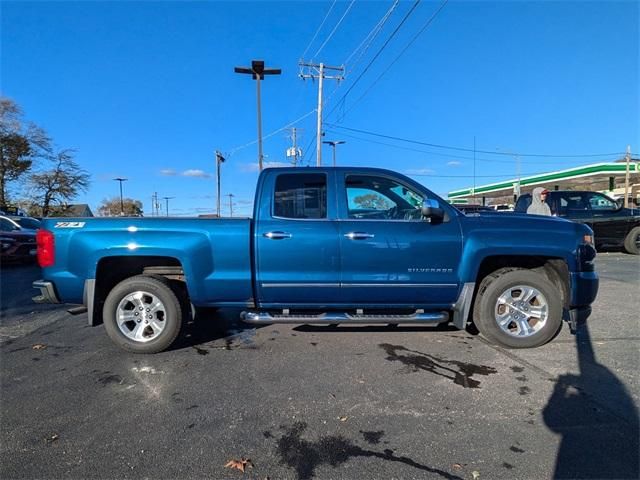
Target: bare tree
{"type": "Point", "coordinates": [20, 144]}
{"type": "Point", "coordinates": [110, 207]}
{"type": "Point", "coordinates": [60, 184]}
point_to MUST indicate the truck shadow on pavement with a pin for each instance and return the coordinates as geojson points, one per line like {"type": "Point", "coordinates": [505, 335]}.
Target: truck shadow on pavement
{"type": "Point", "coordinates": [215, 328]}
{"type": "Point", "coordinates": [597, 419]}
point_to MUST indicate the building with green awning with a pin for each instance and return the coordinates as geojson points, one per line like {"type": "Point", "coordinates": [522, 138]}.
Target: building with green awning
{"type": "Point", "coordinates": [602, 177]}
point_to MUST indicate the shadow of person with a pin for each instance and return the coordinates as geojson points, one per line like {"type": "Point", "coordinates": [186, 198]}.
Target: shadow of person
{"type": "Point", "coordinates": [597, 419]}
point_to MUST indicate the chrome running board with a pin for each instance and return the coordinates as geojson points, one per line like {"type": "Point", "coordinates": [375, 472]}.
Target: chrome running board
{"type": "Point", "coordinates": [333, 318]}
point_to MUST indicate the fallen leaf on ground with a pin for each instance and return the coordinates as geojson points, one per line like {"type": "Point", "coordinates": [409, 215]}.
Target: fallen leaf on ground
{"type": "Point", "coordinates": [475, 474]}
{"type": "Point", "coordinates": [239, 464]}
{"type": "Point", "coordinates": [457, 466]}
{"type": "Point", "coordinates": [39, 346]}
{"type": "Point", "coordinates": [343, 419]}
{"type": "Point", "coordinates": [53, 438]}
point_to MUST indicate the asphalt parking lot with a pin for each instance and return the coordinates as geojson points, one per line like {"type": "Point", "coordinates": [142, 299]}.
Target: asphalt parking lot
{"type": "Point", "coordinates": [326, 403]}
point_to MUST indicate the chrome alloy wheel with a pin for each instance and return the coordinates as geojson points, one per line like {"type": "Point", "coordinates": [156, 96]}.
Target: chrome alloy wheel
{"type": "Point", "coordinates": [521, 311]}
{"type": "Point", "coordinates": [141, 316]}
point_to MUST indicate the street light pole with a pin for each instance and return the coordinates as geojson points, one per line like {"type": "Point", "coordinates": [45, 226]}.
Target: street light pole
{"type": "Point", "coordinates": [167, 203]}
{"type": "Point", "coordinates": [333, 143]}
{"type": "Point", "coordinates": [121, 179]}
{"type": "Point", "coordinates": [219, 160]}
{"type": "Point", "coordinates": [257, 71]}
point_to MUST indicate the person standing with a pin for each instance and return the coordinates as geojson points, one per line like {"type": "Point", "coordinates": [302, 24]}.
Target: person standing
{"type": "Point", "coordinates": [538, 202]}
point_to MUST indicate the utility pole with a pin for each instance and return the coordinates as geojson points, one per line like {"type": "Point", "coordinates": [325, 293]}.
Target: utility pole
{"type": "Point", "coordinates": [333, 143]}
{"type": "Point", "coordinates": [219, 160]}
{"type": "Point", "coordinates": [319, 74]}
{"type": "Point", "coordinates": [230, 195]}
{"type": "Point", "coordinates": [626, 178]}
{"type": "Point", "coordinates": [167, 203]}
{"type": "Point", "coordinates": [474, 171]}
{"type": "Point", "coordinates": [121, 179]}
{"type": "Point", "coordinates": [257, 71]}
{"type": "Point", "coordinates": [294, 151]}
{"type": "Point", "coordinates": [154, 204]}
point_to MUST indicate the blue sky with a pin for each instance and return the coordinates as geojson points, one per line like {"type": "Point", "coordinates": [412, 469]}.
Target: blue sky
{"type": "Point", "coordinates": [146, 90]}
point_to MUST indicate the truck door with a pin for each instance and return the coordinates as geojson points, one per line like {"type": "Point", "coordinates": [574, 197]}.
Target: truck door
{"type": "Point", "coordinates": [610, 222]}
{"type": "Point", "coordinates": [389, 254]}
{"type": "Point", "coordinates": [296, 241]}
{"type": "Point", "coordinates": [573, 206]}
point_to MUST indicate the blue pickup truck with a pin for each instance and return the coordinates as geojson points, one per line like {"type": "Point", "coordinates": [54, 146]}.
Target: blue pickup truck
{"type": "Point", "coordinates": [325, 246]}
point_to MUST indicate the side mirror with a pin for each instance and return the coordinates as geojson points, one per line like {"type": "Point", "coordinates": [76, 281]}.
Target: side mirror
{"type": "Point", "coordinates": [431, 209]}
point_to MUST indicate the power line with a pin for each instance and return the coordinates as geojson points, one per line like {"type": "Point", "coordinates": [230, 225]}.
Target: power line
{"type": "Point", "coordinates": [275, 132]}
{"type": "Point", "coordinates": [415, 37]}
{"type": "Point", "coordinates": [393, 34]}
{"type": "Point", "coordinates": [334, 29]}
{"type": "Point", "coordinates": [461, 149]}
{"type": "Point", "coordinates": [448, 155]}
{"type": "Point", "coordinates": [304, 154]}
{"type": "Point", "coordinates": [373, 34]}
{"type": "Point", "coordinates": [318, 30]}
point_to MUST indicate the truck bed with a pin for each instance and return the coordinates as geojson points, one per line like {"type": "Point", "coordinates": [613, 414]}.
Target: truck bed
{"type": "Point", "coordinates": [214, 253]}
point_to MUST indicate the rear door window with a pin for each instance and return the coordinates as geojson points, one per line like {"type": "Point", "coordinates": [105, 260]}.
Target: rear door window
{"type": "Point", "coordinates": [300, 196]}
{"type": "Point", "coordinates": [573, 204]}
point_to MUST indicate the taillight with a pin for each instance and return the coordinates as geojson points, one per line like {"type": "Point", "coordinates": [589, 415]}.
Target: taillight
{"type": "Point", "coordinates": [46, 251]}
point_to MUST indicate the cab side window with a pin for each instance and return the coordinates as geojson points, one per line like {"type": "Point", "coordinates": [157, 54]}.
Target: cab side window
{"type": "Point", "coordinates": [300, 196]}
{"type": "Point", "coordinates": [599, 202]}
{"type": "Point", "coordinates": [380, 198]}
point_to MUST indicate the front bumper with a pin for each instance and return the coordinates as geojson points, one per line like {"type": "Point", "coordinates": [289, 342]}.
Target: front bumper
{"type": "Point", "coordinates": [47, 292]}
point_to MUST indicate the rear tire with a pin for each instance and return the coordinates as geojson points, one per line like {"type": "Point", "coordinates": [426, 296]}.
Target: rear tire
{"type": "Point", "coordinates": [632, 241]}
{"type": "Point", "coordinates": [518, 308]}
{"type": "Point", "coordinates": [143, 314]}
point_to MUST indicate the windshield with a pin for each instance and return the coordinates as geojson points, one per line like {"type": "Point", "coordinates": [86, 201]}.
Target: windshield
{"type": "Point", "coordinates": [29, 223]}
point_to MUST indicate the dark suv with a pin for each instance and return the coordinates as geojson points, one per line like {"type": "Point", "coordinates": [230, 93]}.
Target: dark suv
{"type": "Point", "coordinates": [613, 226]}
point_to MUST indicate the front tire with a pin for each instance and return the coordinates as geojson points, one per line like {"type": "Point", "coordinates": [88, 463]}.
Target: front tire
{"type": "Point", "coordinates": [632, 241]}
{"type": "Point", "coordinates": [518, 308]}
{"type": "Point", "coordinates": [142, 314]}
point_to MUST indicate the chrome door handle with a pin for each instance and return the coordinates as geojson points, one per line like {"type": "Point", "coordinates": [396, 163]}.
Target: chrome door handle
{"type": "Point", "coordinates": [277, 235]}
{"type": "Point", "coordinates": [359, 235]}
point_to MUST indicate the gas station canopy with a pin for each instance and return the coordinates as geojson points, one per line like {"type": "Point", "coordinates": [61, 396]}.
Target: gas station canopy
{"type": "Point", "coordinates": [602, 177]}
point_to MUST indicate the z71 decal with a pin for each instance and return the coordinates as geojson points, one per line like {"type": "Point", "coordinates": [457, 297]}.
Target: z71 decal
{"type": "Point", "coordinates": [69, 224]}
